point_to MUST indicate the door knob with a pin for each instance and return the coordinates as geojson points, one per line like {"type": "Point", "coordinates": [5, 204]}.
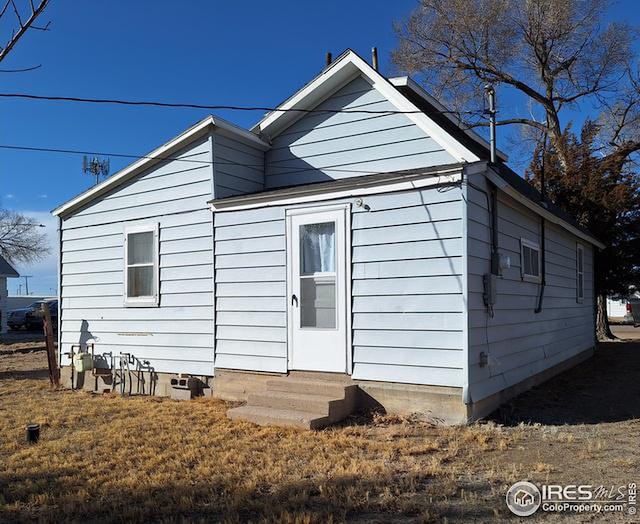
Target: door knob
{"type": "Point", "coordinates": [294, 298]}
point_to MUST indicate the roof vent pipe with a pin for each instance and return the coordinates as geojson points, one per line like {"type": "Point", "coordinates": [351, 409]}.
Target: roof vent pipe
{"type": "Point", "coordinates": [328, 58]}
{"type": "Point", "coordinates": [491, 95]}
{"type": "Point", "coordinates": [374, 57]}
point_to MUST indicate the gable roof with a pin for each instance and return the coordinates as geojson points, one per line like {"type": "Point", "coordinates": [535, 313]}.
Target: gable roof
{"type": "Point", "coordinates": [444, 118]}
{"type": "Point", "coordinates": [6, 269]}
{"type": "Point", "coordinates": [341, 71]}
{"type": "Point", "coordinates": [163, 152]}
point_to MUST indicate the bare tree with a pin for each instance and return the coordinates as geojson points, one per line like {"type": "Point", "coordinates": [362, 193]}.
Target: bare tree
{"type": "Point", "coordinates": [550, 55]}
{"type": "Point", "coordinates": [554, 53]}
{"type": "Point", "coordinates": [23, 21]}
{"type": "Point", "coordinates": [21, 239]}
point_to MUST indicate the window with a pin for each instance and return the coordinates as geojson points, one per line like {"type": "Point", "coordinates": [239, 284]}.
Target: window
{"type": "Point", "coordinates": [141, 265]}
{"type": "Point", "coordinates": [529, 260]}
{"type": "Point", "coordinates": [579, 272]}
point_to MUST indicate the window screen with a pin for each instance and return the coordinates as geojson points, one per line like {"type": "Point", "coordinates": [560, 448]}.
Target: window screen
{"type": "Point", "coordinates": [530, 260]}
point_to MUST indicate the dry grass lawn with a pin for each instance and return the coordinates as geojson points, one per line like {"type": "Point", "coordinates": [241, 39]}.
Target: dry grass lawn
{"type": "Point", "coordinates": [113, 459]}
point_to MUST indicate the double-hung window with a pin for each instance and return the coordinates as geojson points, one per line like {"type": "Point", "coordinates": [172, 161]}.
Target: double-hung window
{"type": "Point", "coordinates": [529, 260]}
{"type": "Point", "coordinates": [579, 272]}
{"type": "Point", "coordinates": [141, 265]}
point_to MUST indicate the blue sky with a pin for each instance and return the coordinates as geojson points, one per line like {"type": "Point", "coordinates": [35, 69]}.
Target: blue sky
{"type": "Point", "coordinates": [234, 53]}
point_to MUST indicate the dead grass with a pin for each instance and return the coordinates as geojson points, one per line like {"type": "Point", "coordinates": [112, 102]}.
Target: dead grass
{"type": "Point", "coordinates": [113, 459]}
{"type": "Point", "coordinates": [148, 459]}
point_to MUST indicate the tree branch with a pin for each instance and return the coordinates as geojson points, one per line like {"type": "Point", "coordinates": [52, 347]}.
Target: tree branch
{"type": "Point", "coordinates": [24, 26]}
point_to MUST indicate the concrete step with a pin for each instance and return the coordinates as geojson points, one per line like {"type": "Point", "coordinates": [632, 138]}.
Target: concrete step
{"type": "Point", "coordinates": [336, 378]}
{"type": "Point", "coordinates": [307, 386]}
{"type": "Point", "coordinates": [279, 417]}
{"type": "Point", "coordinates": [294, 401]}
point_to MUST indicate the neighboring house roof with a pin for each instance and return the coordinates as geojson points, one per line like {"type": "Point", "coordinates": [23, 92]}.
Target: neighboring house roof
{"type": "Point", "coordinates": [162, 153]}
{"type": "Point", "coordinates": [6, 269]}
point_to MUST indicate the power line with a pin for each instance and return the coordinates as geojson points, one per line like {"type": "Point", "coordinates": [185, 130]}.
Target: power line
{"type": "Point", "coordinates": [333, 168]}
{"type": "Point", "coordinates": [189, 105]}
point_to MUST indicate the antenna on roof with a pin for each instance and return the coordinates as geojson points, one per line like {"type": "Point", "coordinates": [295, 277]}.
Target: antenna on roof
{"type": "Point", "coordinates": [96, 167]}
{"type": "Point", "coordinates": [374, 57]}
{"type": "Point", "coordinates": [328, 58]}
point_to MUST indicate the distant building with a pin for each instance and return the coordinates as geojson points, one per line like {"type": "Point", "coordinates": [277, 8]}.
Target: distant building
{"type": "Point", "coordinates": [618, 306]}
{"type": "Point", "coordinates": [6, 271]}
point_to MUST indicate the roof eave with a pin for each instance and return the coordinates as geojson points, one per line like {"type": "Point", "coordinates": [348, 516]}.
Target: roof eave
{"type": "Point", "coordinates": [161, 154]}
{"type": "Point", "coordinates": [540, 209]}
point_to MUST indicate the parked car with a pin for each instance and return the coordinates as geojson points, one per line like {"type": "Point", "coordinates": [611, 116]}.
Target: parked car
{"type": "Point", "coordinates": [30, 317]}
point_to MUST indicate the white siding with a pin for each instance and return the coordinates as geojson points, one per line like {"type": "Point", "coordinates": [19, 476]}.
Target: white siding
{"type": "Point", "coordinates": [250, 278]}
{"type": "Point", "coordinates": [519, 342]}
{"type": "Point", "coordinates": [407, 305]}
{"type": "Point", "coordinates": [324, 146]}
{"type": "Point", "coordinates": [407, 289]}
{"type": "Point", "coordinates": [177, 336]}
{"type": "Point", "coordinates": [239, 168]}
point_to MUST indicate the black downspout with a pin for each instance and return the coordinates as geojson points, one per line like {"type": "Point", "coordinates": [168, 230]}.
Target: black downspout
{"type": "Point", "coordinates": [543, 272]}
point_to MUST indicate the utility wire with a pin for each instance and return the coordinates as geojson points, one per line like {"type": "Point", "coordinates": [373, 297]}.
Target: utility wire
{"type": "Point", "coordinates": [332, 168]}
{"type": "Point", "coordinates": [188, 105]}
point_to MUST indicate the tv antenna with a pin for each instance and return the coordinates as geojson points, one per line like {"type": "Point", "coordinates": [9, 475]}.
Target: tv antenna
{"type": "Point", "coordinates": [95, 166]}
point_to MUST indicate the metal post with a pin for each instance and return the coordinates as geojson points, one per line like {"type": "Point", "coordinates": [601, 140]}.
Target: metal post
{"type": "Point", "coordinates": [491, 94]}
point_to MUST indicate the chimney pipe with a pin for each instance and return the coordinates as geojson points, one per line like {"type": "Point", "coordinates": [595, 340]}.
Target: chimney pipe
{"type": "Point", "coordinates": [374, 57]}
{"type": "Point", "coordinates": [328, 58]}
{"type": "Point", "coordinates": [491, 94]}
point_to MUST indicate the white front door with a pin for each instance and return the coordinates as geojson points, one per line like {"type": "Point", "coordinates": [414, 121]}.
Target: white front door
{"type": "Point", "coordinates": [317, 289]}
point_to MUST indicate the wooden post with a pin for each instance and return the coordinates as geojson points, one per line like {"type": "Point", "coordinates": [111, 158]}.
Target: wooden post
{"type": "Point", "coordinates": [54, 372]}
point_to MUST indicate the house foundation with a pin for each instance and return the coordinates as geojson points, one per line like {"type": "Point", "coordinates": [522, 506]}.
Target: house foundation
{"type": "Point", "coordinates": [440, 404]}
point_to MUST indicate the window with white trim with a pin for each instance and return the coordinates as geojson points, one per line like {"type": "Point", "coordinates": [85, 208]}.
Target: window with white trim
{"type": "Point", "coordinates": [141, 265]}
{"type": "Point", "coordinates": [579, 272]}
{"type": "Point", "coordinates": [529, 260]}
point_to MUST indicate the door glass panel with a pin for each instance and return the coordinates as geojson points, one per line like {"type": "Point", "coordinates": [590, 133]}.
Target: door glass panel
{"type": "Point", "coordinates": [318, 275]}
{"type": "Point", "coordinates": [317, 248]}
{"type": "Point", "coordinates": [318, 302]}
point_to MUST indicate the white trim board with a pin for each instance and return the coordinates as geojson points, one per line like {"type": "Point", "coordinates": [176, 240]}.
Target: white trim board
{"type": "Point", "coordinates": [160, 154]}
{"type": "Point", "coordinates": [311, 193]}
{"type": "Point", "coordinates": [344, 69]}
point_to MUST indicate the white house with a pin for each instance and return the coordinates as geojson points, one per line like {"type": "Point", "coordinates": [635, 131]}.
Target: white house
{"type": "Point", "coordinates": [6, 271]}
{"type": "Point", "coordinates": [355, 240]}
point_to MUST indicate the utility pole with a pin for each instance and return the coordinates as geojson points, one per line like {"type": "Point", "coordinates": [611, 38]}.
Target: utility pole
{"type": "Point", "coordinates": [26, 283]}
